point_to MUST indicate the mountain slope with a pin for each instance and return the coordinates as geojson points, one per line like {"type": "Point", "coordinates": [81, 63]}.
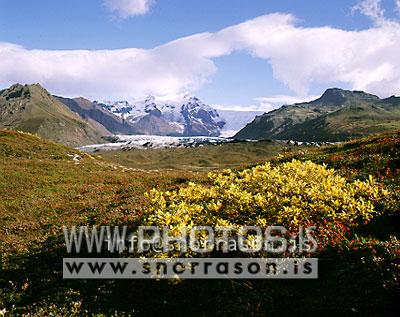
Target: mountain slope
{"type": "Point", "coordinates": [32, 109]}
{"type": "Point", "coordinates": [110, 123]}
{"type": "Point", "coordinates": [337, 115]}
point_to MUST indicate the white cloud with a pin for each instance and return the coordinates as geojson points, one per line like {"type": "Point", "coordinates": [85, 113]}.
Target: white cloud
{"type": "Point", "coordinates": [299, 56]}
{"type": "Point", "coordinates": [371, 9]}
{"type": "Point", "coordinates": [398, 6]}
{"type": "Point", "coordinates": [275, 101]}
{"type": "Point", "coordinates": [129, 73]}
{"type": "Point", "coordinates": [128, 8]}
{"type": "Point", "coordinates": [266, 104]}
{"type": "Point", "coordinates": [237, 107]}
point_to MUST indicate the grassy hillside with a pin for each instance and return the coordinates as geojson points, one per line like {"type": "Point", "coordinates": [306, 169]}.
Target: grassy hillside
{"type": "Point", "coordinates": [44, 185]}
{"type": "Point", "coordinates": [376, 155]}
{"type": "Point", "coordinates": [350, 122]}
{"type": "Point", "coordinates": [336, 116]}
{"type": "Point", "coordinates": [32, 109]}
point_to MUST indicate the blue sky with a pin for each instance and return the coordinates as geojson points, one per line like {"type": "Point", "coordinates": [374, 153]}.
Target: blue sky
{"type": "Point", "coordinates": [239, 76]}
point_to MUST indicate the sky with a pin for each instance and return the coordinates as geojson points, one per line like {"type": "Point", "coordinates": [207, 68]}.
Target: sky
{"type": "Point", "coordinates": [233, 54]}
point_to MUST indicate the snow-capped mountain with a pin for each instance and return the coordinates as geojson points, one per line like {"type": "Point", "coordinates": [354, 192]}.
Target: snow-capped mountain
{"type": "Point", "coordinates": [187, 116]}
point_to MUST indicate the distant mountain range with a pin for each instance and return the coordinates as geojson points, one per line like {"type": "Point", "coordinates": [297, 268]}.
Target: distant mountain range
{"type": "Point", "coordinates": [337, 115]}
{"type": "Point", "coordinates": [78, 121]}
{"type": "Point", "coordinates": [186, 117]}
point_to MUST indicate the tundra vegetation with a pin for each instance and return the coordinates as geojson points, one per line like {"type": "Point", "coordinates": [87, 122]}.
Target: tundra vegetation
{"type": "Point", "coordinates": [350, 191]}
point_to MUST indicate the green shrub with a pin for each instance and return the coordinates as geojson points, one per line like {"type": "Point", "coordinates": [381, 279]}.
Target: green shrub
{"type": "Point", "coordinates": [290, 194]}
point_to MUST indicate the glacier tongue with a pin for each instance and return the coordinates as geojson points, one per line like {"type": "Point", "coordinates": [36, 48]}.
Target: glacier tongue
{"type": "Point", "coordinates": [126, 142]}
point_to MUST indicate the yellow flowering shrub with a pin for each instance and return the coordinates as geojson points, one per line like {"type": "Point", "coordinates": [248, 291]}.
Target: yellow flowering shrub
{"type": "Point", "coordinates": [290, 194]}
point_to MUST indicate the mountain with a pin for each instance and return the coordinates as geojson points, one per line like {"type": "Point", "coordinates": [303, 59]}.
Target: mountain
{"type": "Point", "coordinates": [32, 109]}
{"type": "Point", "coordinates": [337, 115]}
{"type": "Point", "coordinates": [186, 117]}
{"type": "Point", "coordinates": [97, 115]}
{"type": "Point", "coordinates": [78, 121]}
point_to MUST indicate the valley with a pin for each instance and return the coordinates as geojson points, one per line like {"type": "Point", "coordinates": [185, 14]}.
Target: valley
{"type": "Point", "coordinates": [42, 188]}
{"type": "Point", "coordinates": [199, 158]}
{"type": "Point", "coordinates": [333, 162]}
{"type": "Point", "coordinates": [208, 157]}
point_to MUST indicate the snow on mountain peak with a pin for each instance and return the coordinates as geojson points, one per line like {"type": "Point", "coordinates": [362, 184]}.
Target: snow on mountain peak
{"type": "Point", "coordinates": [185, 114]}
{"type": "Point", "coordinates": [150, 99]}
